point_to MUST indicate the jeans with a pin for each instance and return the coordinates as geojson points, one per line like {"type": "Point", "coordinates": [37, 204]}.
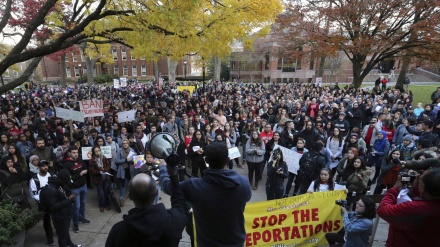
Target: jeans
{"type": "Point", "coordinates": [79, 206]}
{"type": "Point", "coordinates": [103, 195]}
{"type": "Point", "coordinates": [336, 239]}
{"type": "Point", "coordinates": [254, 168]}
{"type": "Point", "coordinates": [274, 192]}
{"type": "Point", "coordinates": [289, 183]}
{"type": "Point", "coordinates": [62, 228]}
{"type": "Point", "coordinates": [122, 189]}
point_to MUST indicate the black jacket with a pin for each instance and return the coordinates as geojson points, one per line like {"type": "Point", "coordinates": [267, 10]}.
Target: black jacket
{"type": "Point", "coordinates": [154, 225]}
{"type": "Point", "coordinates": [75, 167]}
{"type": "Point", "coordinates": [56, 201]}
{"type": "Point", "coordinates": [196, 157]}
{"type": "Point", "coordinates": [274, 179]}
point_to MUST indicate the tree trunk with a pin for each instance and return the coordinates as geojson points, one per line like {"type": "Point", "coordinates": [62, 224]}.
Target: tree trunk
{"type": "Point", "coordinates": [357, 79]}
{"type": "Point", "coordinates": [321, 67]}
{"type": "Point", "coordinates": [402, 73]}
{"type": "Point", "coordinates": [89, 64]}
{"type": "Point", "coordinates": [172, 66]}
{"type": "Point", "coordinates": [156, 71]}
{"type": "Point", "coordinates": [217, 68]}
{"type": "Point", "coordinates": [63, 70]}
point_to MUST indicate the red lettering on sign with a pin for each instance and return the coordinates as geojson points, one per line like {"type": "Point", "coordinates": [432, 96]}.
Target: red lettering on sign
{"type": "Point", "coordinates": [315, 214]}
{"type": "Point", "coordinates": [256, 236]}
{"type": "Point", "coordinates": [267, 236]}
{"type": "Point", "coordinates": [277, 235]}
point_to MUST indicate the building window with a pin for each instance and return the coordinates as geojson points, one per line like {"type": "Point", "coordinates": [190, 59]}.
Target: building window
{"type": "Point", "coordinates": [115, 54]}
{"type": "Point", "coordinates": [132, 58]}
{"type": "Point", "coordinates": [144, 70]}
{"type": "Point", "coordinates": [68, 73]}
{"type": "Point", "coordinates": [142, 58]}
{"type": "Point", "coordinates": [124, 53]}
{"type": "Point", "coordinates": [84, 72]}
{"type": "Point", "coordinates": [134, 71]}
{"type": "Point", "coordinates": [82, 57]}
{"type": "Point", "coordinates": [74, 57]}
{"type": "Point", "coordinates": [116, 70]}
{"type": "Point", "coordinates": [242, 65]}
{"type": "Point", "coordinates": [66, 59]}
{"type": "Point", "coordinates": [125, 70]}
{"type": "Point", "coordinates": [76, 70]}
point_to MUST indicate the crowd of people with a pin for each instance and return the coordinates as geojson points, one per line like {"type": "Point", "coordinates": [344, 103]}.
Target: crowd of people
{"type": "Point", "coordinates": [357, 137]}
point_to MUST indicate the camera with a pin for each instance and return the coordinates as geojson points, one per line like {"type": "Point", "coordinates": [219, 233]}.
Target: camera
{"type": "Point", "coordinates": [407, 178]}
{"type": "Point", "coordinates": [275, 154]}
{"type": "Point", "coordinates": [396, 161]}
{"type": "Point", "coordinates": [342, 203]}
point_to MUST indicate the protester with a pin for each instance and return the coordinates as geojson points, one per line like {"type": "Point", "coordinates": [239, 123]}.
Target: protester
{"type": "Point", "coordinates": [276, 174]}
{"type": "Point", "coordinates": [358, 226]}
{"type": "Point", "coordinates": [413, 223]}
{"type": "Point", "coordinates": [78, 187]}
{"type": "Point", "coordinates": [56, 199]}
{"type": "Point", "coordinates": [218, 200]}
{"type": "Point", "coordinates": [37, 182]}
{"type": "Point", "coordinates": [150, 224]}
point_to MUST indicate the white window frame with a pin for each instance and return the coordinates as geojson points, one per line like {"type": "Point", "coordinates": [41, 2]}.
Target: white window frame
{"type": "Point", "coordinates": [124, 70]}
{"type": "Point", "coordinates": [124, 53]}
{"type": "Point", "coordinates": [68, 72]}
{"type": "Point", "coordinates": [134, 71]}
{"type": "Point", "coordinates": [115, 54]}
{"type": "Point", "coordinates": [143, 70]}
{"type": "Point", "coordinates": [76, 71]}
{"type": "Point", "coordinates": [116, 70]}
{"type": "Point", "coordinates": [74, 57]}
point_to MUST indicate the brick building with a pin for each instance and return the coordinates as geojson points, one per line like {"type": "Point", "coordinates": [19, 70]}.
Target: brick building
{"type": "Point", "coordinates": [124, 66]}
{"type": "Point", "coordinates": [267, 63]}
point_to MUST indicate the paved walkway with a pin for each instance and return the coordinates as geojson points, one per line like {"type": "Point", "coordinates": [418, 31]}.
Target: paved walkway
{"type": "Point", "coordinates": [95, 234]}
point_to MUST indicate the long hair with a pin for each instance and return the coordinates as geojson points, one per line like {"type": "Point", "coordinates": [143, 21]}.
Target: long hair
{"type": "Point", "coordinates": [281, 155]}
{"type": "Point", "coordinates": [256, 141]}
{"type": "Point", "coordinates": [389, 158]}
{"type": "Point", "coordinates": [17, 152]}
{"type": "Point", "coordinates": [330, 180]}
{"type": "Point", "coordinates": [349, 169]}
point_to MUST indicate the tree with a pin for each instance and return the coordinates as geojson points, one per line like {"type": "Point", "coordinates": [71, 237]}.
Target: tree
{"type": "Point", "coordinates": [42, 27]}
{"type": "Point", "coordinates": [368, 32]}
{"type": "Point", "coordinates": [199, 27]}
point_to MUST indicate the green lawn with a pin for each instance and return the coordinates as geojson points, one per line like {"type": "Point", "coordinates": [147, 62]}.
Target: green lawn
{"type": "Point", "coordinates": [422, 93]}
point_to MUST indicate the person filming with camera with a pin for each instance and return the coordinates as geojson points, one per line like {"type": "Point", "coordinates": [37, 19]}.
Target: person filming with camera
{"type": "Point", "coordinates": [358, 225]}
{"type": "Point", "coordinates": [276, 173]}
{"type": "Point", "coordinates": [414, 222]}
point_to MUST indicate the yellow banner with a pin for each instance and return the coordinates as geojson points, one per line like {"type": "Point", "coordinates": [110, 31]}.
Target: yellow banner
{"type": "Point", "coordinates": [294, 221]}
{"type": "Point", "coordinates": [189, 88]}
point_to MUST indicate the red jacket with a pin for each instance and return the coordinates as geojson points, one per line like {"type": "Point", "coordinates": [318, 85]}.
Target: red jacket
{"type": "Point", "coordinates": [413, 223]}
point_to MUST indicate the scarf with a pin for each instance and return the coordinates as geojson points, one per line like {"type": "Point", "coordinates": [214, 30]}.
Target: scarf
{"type": "Point", "coordinates": [379, 145]}
{"type": "Point", "coordinates": [125, 152]}
{"type": "Point", "coordinates": [99, 162]}
{"type": "Point", "coordinates": [139, 141]}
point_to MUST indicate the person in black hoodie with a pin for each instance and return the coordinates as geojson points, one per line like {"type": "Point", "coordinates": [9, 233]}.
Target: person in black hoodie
{"type": "Point", "coordinates": [218, 200]}
{"type": "Point", "coordinates": [78, 171]}
{"type": "Point", "coordinates": [55, 198]}
{"type": "Point", "coordinates": [148, 224]}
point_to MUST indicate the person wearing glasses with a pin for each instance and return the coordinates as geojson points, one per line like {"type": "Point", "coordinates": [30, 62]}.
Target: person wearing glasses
{"type": "Point", "coordinates": [358, 225]}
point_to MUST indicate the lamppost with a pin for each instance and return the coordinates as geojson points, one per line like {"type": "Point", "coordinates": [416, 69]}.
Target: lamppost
{"type": "Point", "coordinates": [184, 68]}
{"type": "Point", "coordinates": [80, 72]}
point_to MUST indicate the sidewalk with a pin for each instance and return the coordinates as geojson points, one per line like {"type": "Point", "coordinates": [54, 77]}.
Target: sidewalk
{"type": "Point", "coordinates": [95, 234]}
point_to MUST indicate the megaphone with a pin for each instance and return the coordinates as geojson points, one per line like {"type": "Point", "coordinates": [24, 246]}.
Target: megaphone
{"type": "Point", "coordinates": [162, 145]}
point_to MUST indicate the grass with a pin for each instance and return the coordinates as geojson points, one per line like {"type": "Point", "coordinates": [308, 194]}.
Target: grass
{"type": "Point", "coordinates": [422, 93]}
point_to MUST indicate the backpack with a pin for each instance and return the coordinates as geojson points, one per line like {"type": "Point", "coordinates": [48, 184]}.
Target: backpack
{"type": "Point", "coordinates": [43, 205]}
{"type": "Point", "coordinates": [308, 169]}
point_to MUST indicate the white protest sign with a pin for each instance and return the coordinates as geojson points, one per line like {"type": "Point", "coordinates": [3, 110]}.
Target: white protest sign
{"type": "Point", "coordinates": [233, 153]}
{"type": "Point", "coordinates": [318, 81]}
{"type": "Point", "coordinates": [126, 116]}
{"type": "Point", "coordinates": [69, 114]}
{"type": "Point", "coordinates": [116, 83]}
{"type": "Point", "coordinates": [290, 157]}
{"type": "Point", "coordinates": [86, 152]}
{"type": "Point", "coordinates": [91, 107]}
{"type": "Point", "coordinates": [123, 82]}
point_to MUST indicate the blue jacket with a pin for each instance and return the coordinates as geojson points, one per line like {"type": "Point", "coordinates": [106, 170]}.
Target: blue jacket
{"type": "Point", "coordinates": [357, 230]}
{"type": "Point", "coordinates": [218, 200]}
